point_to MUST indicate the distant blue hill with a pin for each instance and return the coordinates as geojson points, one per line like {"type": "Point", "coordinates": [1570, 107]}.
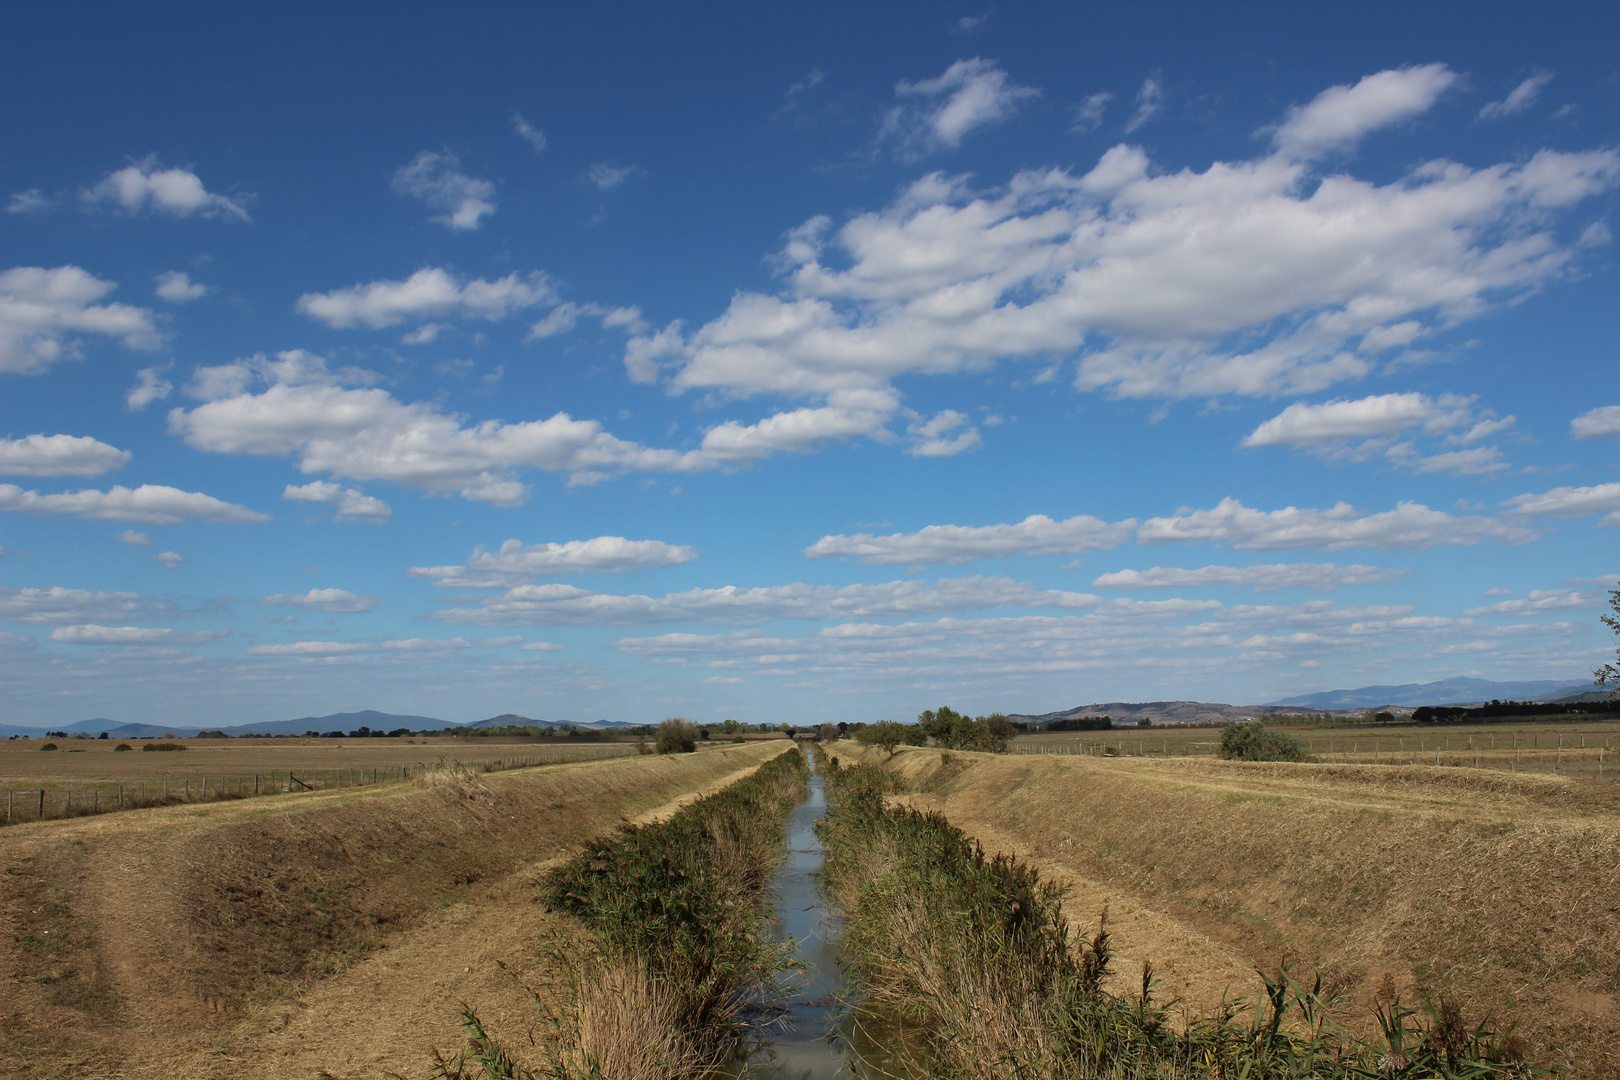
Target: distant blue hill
{"type": "Point", "coordinates": [1459, 691]}
{"type": "Point", "coordinates": [343, 721]}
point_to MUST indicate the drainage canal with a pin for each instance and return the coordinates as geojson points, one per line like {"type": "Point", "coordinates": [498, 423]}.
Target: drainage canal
{"type": "Point", "coordinates": [817, 1038]}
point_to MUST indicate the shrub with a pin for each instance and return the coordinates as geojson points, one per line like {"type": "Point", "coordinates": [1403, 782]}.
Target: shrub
{"type": "Point", "coordinates": [49, 746]}
{"type": "Point", "coordinates": [677, 736]}
{"type": "Point", "coordinates": [163, 746]}
{"type": "Point", "coordinates": [121, 746]}
{"type": "Point", "coordinates": [1252, 741]}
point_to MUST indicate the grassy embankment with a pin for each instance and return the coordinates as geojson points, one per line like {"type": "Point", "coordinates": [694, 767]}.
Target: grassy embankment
{"type": "Point", "coordinates": [130, 940]}
{"type": "Point", "coordinates": [678, 944]}
{"type": "Point", "coordinates": [976, 952]}
{"type": "Point", "coordinates": [1500, 891]}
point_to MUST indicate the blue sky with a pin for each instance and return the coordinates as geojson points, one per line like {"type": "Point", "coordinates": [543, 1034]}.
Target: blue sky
{"type": "Point", "coordinates": [624, 361]}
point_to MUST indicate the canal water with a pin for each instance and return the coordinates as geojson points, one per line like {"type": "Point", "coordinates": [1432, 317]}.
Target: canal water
{"type": "Point", "coordinates": [816, 1038]}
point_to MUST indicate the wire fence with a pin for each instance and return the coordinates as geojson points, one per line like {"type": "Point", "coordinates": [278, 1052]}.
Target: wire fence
{"type": "Point", "coordinates": [88, 797]}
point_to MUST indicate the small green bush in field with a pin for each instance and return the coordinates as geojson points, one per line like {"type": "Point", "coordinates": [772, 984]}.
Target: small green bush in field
{"type": "Point", "coordinates": [163, 746]}
{"type": "Point", "coordinates": [677, 736]}
{"type": "Point", "coordinates": [121, 746]}
{"type": "Point", "coordinates": [49, 746]}
{"type": "Point", "coordinates": [1252, 741]}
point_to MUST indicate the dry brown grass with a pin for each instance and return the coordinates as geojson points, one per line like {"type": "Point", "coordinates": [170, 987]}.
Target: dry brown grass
{"type": "Point", "coordinates": [176, 923]}
{"type": "Point", "coordinates": [1501, 889]}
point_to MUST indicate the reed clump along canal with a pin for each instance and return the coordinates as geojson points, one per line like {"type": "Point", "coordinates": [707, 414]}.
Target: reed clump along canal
{"type": "Point", "coordinates": [898, 948]}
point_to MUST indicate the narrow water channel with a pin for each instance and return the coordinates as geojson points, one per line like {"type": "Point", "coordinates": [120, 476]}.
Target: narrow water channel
{"type": "Point", "coordinates": [815, 1039]}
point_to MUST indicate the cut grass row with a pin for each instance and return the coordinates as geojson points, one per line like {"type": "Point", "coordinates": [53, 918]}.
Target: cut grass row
{"type": "Point", "coordinates": [677, 950]}
{"type": "Point", "coordinates": [976, 953]}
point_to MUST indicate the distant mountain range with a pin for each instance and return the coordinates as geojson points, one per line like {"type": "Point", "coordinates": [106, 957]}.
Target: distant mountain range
{"type": "Point", "coordinates": [1460, 691]}
{"type": "Point", "coordinates": [1127, 713]}
{"type": "Point", "coordinates": [344, 722]}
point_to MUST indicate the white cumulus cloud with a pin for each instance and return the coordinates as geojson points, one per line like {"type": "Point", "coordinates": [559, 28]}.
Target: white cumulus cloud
{"type": "Point", "coordinates": [430, 293]}
{"type": "Point", "coordinates": [176, 287]}
{"type": "Point", "coordinates": [146, 185]}
{"type": "Point", "coordinates": [437, 179]}
{"type": "Point", "coordinates": [1339, 420]}
{"type": "Point", "coordinates": [59, 455]}
{"type": "Point", "coordinates": [1409, 525]}
{"type": "Point", "coordinates": [42, 312]}
{"type": "Point", "coordinates": [1521, 98]}
{"type": "Point", "coordinates": [1598, 423]}
{"type": "Point", "coordinates": [1261, 278]}
{"type": "Point", "coordinates": [93, 634]}
{"type": "Point", "coordinates": [1571, 502]}
{"type": "Point", "coordinates": [169, 559]}
{"type": "Point", "coordinates": [56, 604]}
{"type": "Point", "coordinates": [136, 539]}
{"type": "Point", "coordinates": [1035, 535]}
{"type": "Point", "coordinates": [1340, 115]}
{"type": "Point", "coordinates": [1539, 602]}
{"type": "Point", "coordinates": [567, 605]}
{"type": "Point", "coordinates": [938, 113]}
{"type": "Point", "coordinates": [1360, 429]}
{"type": "Point", "coordinates": [515, 562]}
{"type": "Point", "coordinates": [347, 504]}
{"type": "Point", "coordinates": [150, 386]}
{"type": "Point", "coordinates": [947, 434]}
{"type": "Point", "coordinates": [150, 504]}
{"type": "Point", "coordinates": [1262, 578]}
{"type": "Point", "coordinates": [329, 601]}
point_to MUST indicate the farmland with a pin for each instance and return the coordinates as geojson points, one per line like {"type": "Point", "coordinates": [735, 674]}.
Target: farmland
{"type": "Point", "coordinates": [1574, 748]}
{"type": "Point", "coordinates": [293, 934]}
{"type": "Point", "coordinates": [1493, 887]}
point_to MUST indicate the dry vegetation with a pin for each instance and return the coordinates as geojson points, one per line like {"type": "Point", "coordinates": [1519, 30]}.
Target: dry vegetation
{"type": "Point", "coordinates": [1501, 890]}
{"type": "Point", "coordinates": [181, 941]}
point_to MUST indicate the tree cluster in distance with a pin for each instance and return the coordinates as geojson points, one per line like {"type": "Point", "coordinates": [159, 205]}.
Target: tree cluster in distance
{"type": "Point", "coordinates": [946, 728]}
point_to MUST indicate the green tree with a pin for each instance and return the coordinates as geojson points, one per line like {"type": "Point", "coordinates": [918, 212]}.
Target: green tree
{"type": "Point", "coordinates": [1253, 741]}
{"type": "Point", "coordinates": [1609, 674]}
{"type": "Point", "coordinates": [677, 736]}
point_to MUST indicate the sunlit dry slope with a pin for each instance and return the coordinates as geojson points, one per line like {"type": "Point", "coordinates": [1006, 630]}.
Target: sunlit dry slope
{"type": "Point", "coordinates": [1500, 891]}
{"type": "Point", "coordinates": [287, 935]}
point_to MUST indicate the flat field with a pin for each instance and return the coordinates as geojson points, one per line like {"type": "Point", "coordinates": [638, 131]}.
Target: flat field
{"type": "Point", "coordinates": [1574, 748]}
{"type": "Point", "coordinates": [79, 761]}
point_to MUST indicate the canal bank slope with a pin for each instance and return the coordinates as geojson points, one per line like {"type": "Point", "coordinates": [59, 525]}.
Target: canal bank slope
{"type": "Point", "coordinates": [290, 935]}
{"type": "Point", "coordinates": [1502, 892]}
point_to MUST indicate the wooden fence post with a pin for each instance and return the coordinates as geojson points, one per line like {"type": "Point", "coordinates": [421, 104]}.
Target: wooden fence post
{"type": "Point", "coordinates": [42, 804]}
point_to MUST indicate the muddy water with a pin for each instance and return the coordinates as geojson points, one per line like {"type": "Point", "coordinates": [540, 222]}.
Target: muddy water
{"type": "Point", "coordinates": [816, 1037]}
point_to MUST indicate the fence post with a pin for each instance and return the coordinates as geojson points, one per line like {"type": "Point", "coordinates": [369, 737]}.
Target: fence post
{"type": "Point", "coordinates": [42, 804]}
{"type": "Point", "coordinates": [204, 796]}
